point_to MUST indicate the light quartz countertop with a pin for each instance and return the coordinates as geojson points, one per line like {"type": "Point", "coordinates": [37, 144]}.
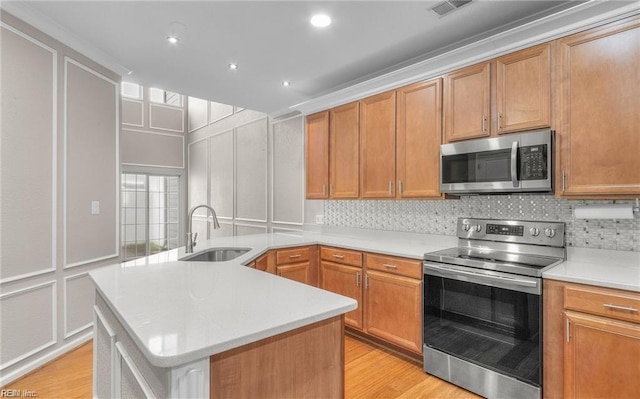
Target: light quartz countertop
{"type": "Point", "coordinates": [180, 311]}
{"type": "Point", "coordinates": [600, 267]}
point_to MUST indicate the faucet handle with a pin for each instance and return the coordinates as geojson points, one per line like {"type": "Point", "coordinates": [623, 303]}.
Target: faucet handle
{"type": "Point", "coordinates": [193, 240]}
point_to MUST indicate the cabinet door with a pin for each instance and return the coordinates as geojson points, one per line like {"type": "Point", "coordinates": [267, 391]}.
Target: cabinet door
{"type": "Point", "coordinates": [523, 98]}
{"type": "Point", "coordinates": [347, 281]}
{"type": "Point", "coordinates": [378, 146]}
{"type": "Point", "coordinates": [418, 138]}
{"type": "Point", "coordinates": [129, 381]}
{"type": "Point", "coordinates": [104, 356]}
{"type": "Point", "coordinates": [298, 272]}
{"type": "Point", "coordinates": [467, 104]}
{"type": "Point", "coordinates": [393, 309]}
{"type": "Point", "coordinates": [262, 263]}
{"type": "Point", "coordinates": [599, 106]}
{"type": "Point", "coordinates": [602, 358]}
{"type": "Point", "coordinates": [343, 154]}
{"type": "Point", "coordinates": [317, 155]}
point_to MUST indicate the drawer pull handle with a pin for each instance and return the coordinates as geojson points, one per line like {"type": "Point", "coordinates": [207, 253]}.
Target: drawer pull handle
{"type": "Point", "coordinates": [390, 266]}
{"type": "Point", "coordinates": [617, 307]}
{"type": "Point", "coordinates": [295, 256]}
{"type": "Point", "coordinates": [357, 279]}
{"type": "Point", "coordinates": [338, 256]}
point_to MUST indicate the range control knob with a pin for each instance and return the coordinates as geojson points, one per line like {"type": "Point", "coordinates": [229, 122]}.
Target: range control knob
{"type": "Point", "coordinates": [466, 226]}
{"type": "Point", "coordinates": [478, 228]}
{"type": "Point", "coordinates": [549, 232]}
{"type": "Point", "coordinates": [534, 231]}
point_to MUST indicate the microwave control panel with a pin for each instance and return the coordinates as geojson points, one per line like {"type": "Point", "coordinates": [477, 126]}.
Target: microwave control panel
{"type": "Point", "coordinates": [533, 162]}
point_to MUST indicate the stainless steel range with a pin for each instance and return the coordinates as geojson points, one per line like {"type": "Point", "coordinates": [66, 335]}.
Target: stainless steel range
{"type": "Point", "coordinates": [483, 306]}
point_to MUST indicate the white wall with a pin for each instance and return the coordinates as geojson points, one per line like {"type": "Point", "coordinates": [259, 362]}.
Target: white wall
{"type": "Point", "coordinates": [58, 154]}
{"type": "Point", "coordinates": [248, 167]}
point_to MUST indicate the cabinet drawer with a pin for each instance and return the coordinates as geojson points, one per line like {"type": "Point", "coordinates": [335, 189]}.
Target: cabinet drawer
{"type": "Point", "coordinates": [293, 255]}
{"type": "Point", "coordinates": [342, 256]}
{"type": "Point", "coordinates": [400, 266]}
{"type": "Point", "coordinates": [601, 301]}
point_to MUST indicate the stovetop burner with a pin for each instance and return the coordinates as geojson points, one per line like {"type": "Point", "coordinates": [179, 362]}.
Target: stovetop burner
{"type": "Point", "coordinates": [519, 247]}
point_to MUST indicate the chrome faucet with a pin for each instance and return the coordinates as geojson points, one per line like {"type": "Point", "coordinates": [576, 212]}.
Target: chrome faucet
{"type": "Point", "coordinates": [191, 238]}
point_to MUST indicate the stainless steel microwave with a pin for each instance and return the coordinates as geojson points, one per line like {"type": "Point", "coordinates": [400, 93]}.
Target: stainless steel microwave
{"type": "Point", "coordinates": [513, 163]}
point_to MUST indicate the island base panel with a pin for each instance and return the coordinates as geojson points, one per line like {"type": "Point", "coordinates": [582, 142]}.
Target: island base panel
{"type": "Point", "coordinates": [304, 363]}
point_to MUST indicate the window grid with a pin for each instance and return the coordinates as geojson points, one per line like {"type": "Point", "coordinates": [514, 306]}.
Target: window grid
{"type": "Point", "coordinates": [150, 215]}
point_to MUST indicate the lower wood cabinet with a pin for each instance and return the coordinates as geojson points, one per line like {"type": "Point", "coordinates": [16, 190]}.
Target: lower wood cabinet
{"type": "Point", "coordinates": [299, 264]}
{"type": "Point", "coordinates": [591, 342]}
{"type": "Point", "coordinates": [344, 280]}
{"type": "Point", "coordinates": [601, 357]}
{"type": "Point", "coordinates": [393, 300]}
{"type": "Point", "coordinates": [300, 272]}
{"type": "Point", "coordinates": [393, 309]}
{"type": "Point", "coordinates": [388, 291]}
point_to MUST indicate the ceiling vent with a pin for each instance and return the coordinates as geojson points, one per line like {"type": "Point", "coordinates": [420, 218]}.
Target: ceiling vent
{"type": "Point", "coordinates": [446, 7]}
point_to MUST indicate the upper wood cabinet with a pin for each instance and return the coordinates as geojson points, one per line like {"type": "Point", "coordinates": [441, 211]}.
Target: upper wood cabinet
{"type": "Point", "coordinates": [508, 94]}
{"type": "Point", "coordinates": [523, 98]}
{"type": "Point", "coordinates": [378, 146]}
{"type": "Point", "coordinates": [467, 109]}
{"type": "Point", "coordinates": [343, 151]}
{"type": "Point", "coordinates": [418, 139]}
{"type": "Point", "coordinates": [599, 111]}
{"type": "Point", "coordinates": [332, 153]}
{"type": "Point", "coordinates": [317, 155]}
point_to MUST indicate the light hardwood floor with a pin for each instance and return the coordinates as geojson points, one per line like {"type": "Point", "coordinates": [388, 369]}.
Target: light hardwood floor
{"type": "Point", "coordinates": [371, 372]}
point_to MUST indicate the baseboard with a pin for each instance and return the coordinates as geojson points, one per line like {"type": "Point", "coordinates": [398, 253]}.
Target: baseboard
{"type": "Point", "coordinates": [7, 378]}
{"type": "Point", "coordinates": [384, 345]}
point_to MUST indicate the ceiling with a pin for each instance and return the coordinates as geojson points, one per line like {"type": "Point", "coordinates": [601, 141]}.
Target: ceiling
{"type": "Point", "coordinates": [273, 41]}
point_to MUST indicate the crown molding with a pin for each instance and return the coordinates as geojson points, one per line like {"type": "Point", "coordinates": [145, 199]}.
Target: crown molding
{"type": "Point", "coordinates": [563, 23]}
{"type": "Point", "coordinates": [24, 11]}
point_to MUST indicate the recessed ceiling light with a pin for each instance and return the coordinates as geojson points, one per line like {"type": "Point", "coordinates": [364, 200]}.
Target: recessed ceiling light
{"type": "Point", "coordinates": [173, 39]}
{"type": "Point", "coordinates": [286, 83]}
{"type": "Point", "coordinates": [233, 66]}
{"type": "Point", "coordinates": [320, 20]}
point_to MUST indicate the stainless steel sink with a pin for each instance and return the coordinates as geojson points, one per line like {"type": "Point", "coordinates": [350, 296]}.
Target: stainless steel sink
{"type": "Point", "coordinates": [216, 255]}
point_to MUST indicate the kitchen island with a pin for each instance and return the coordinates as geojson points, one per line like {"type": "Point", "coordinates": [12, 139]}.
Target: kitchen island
{"type": "Point", "coordinates": [168, 328]}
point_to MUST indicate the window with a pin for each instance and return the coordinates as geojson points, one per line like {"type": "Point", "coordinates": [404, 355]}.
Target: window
{"type": "Point", "coordinates": [150, 214]}
{"type": "Point", "coordinates": [165, 97]}
{"type": "Point", "coordinates": [131, 90]}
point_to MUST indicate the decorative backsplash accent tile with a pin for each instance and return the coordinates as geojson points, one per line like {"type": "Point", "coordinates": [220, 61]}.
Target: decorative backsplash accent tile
{"type": "Point", "coordinates": [440, 216]}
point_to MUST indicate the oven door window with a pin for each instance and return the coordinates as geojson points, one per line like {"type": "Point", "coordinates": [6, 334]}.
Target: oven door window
{"type": "Point", "coordinates": [492, 327]}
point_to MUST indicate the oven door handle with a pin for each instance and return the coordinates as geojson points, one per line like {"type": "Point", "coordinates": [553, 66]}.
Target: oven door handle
{"type": "Point", "coordinates": [483, 278]}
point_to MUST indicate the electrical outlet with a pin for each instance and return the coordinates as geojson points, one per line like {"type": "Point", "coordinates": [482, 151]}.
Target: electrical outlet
{"type": "Point", "coordinates": [95, 207]}
{"type": "Point", "coordinates": [319, 219]}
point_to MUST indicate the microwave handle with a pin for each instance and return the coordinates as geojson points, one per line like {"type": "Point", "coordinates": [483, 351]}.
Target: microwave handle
{"type": "Point", "coordinates": [514, 164]}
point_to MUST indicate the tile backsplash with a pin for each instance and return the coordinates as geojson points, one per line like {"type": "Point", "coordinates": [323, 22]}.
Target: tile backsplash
{"type": "Point", "coordinates": [439, 217]}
